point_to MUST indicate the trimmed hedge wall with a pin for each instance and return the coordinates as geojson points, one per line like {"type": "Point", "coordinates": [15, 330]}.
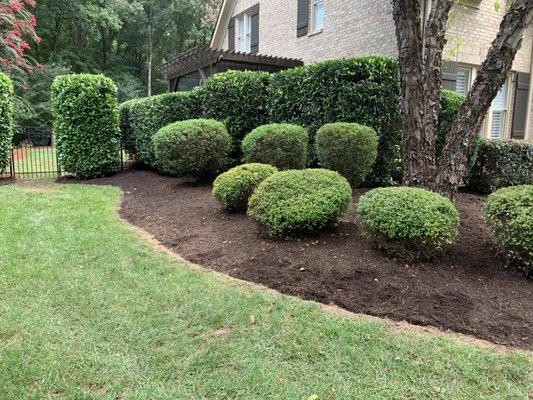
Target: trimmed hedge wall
{"type": "Point", "coordinates": [451, 102]}
{"type": "Point", "coordinates": [6, 120]}
{"type": "Point", "coordinates": [363, 90]}
{"type": "Point", "coordinates": [238, 99]}
{"type": "Point", "coordinates": [499, 164]}
{"type": "Point", "coordinates": [86, 124]}
{"type": "Point", "coordinates": [150, 114]}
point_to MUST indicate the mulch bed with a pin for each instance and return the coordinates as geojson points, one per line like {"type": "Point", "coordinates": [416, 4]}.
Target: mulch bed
{"type": "Point", "coordinates": [467, 291]}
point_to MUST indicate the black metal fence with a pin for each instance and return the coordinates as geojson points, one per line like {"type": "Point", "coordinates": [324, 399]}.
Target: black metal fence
{"type": "Point", "coordinates": [34, 155]}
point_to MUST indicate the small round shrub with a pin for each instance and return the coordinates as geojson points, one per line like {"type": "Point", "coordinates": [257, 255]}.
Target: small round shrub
{"type": "Point", "coordinates": [300, 201]}
{"type": "Point", "coordinates": [350, 149]}
{"type": "Point", "coordinates": [281, 145]}
{"type": "Point", "coordinates": [509, 213]}
{"type": "Point", "coordinates": [234, 187]}
{"type": "Point", "coordinates": [408, 223]}
{"type": "Point", "coordinates": [86, 124]}
{"type": "Point", "coordinates": [6, 120]}
{"type": "Point", "coordinates": [196, 147]}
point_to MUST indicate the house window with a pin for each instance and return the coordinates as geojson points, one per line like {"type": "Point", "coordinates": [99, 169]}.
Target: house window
{"type": "Point", "coordinates": [318, 14]}
{"type": "Point", "coordinates": [499, 113]}
{"type": "Point", "coordinates": [244, 33]}
{"type": "Point", "coordinates": [463, 80]}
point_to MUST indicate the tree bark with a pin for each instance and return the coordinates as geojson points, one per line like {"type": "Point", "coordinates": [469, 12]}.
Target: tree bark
{"type": "Point", "coordinates": [489, 80]}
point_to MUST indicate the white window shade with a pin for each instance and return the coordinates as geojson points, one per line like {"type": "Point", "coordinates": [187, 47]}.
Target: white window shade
{"type": "Point", "coordinates": [319, 14]}
{"type": "Point", "coordinates": [499, 113]}
{"type": "Point", "coordinates": [241, 33]}
{"type": "Point", "coordinates": [463, 81]}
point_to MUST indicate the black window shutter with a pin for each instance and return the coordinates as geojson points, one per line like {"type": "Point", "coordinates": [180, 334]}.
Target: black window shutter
{"type": "Point", "coordinates": [521, 98]}
{"type": "Point", "coordinates": [302, 26]}
{"type": "Point", "coordinates": [231, 34]}
{"type": "Point", "coordinates": [254, 20]}
{"type": "Point", "coordinates": [449, 75]}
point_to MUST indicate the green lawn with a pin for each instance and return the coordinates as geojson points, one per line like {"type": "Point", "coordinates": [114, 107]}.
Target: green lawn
{"type": "Point", "coordinates": [89, 310]}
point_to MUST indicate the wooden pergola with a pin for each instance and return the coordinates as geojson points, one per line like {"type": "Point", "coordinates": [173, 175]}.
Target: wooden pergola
{"type": "Point", "coordinates": [194, 67]}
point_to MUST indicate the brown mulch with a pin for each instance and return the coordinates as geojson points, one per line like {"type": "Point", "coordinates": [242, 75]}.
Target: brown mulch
{"type": "Point", "coordinates": [468, 290]}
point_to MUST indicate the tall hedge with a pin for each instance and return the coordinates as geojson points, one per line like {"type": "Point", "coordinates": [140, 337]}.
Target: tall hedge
{"type": "Point", "coordinates": [86, 123]}
{"type": "Point", "coordinates": [363, 90]}
{"type": "Point", "coordinates": [150, 114]}
{"type": "Point", "coordinates": [451, 102]}
{"type": "Point", "coordinates": [239, 100]}
{"type": "Point", "coordinates": [501, 163]}
{"type": "Point", "coordinates": [6, 120]}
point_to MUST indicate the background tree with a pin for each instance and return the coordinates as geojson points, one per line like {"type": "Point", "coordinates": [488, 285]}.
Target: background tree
{"type": "Point", "coordinates": [420, 48]}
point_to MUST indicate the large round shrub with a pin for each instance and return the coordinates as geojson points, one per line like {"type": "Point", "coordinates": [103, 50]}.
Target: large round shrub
{"type": "Point", "coordinates": [6, 120]}
{"type": "Point", "coordinates": [509, 213]}
{"type": "Point", "coordinates": [281, 145]}
{"type": "Point", "coordinates": [234, 187]}
{"type": "Point", "coordinates": [407, 222]}
{"type": "Point", "coordinates": [86, 124]}
{"type": "Point", "coordinates": [196, 147]}
{"type": "Point", "coordinates": [300, 201]}
{"type": "Point", "coordinates": [348, 148]}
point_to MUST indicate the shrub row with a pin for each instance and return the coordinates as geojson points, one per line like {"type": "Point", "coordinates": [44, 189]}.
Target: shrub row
{"type": "Point", "coordinates": [6, 120]}
{"type": "Point", "coordinates": [498, 164]}
{"type": "Point", "coordinates": [86, 123]}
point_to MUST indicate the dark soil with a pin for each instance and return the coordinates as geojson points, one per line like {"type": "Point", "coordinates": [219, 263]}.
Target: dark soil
{"type": "Point", "coordinates": [468, 290]}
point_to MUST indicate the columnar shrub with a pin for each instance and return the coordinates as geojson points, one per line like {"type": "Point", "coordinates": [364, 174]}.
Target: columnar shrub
{"type": "Point", "coordinates": [150, 114]}
{"type": "Point", "coordinates": [408, 223]}
{"type": "Point", "coordinates": [234, 187]}
{"type": "Point", "coordinates": [509, 213]}
{"type": "Point", "coordinates": [126, 129]}
{"type": "Point", "coordinates": [281, 145]}
{"type": "Point", "coordinates": [348, 148]}
{"type": "Point", "coordinates": [363, 90]}
{"type": "Point", "coordinates": [238, 99]}
{"type": "Point", "coordinates": [198, 148]}
{"type": "Point", "coordinates": [300, 201]}
{"type": "Point", "coordinates": [86, 124]}
{"type": "Point", "coordinates": [6, 120]}
{"type": "Point", "coordinates": [500, 164]}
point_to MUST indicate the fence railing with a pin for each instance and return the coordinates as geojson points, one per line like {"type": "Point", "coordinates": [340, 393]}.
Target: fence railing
{"type": "Point", "coordinates": [34, 155]}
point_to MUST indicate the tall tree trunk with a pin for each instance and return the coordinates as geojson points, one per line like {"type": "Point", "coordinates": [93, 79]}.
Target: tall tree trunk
{"type": "Point", "coordinates": [150, 50]}
{"type": "Point", "coordinates": [489, 80]}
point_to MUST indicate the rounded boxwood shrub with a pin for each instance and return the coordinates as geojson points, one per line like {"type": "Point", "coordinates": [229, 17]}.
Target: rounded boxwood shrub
{"type": "Point", "coordinates": [300, 201]}
{"type": "Point", "coordinates": [348, 148]}
{"type": "Point", "coordinates": [6, 120]}
{"type": "Point", "coordinates": [281, 145]}
{"type": "Point", "coordinates": [196, 147]}
{"type": "Point", "coordinates": [408, 223]}
{"type": "Point", "coordinates": [509, 213]}
{"type": "Point", "coordinates": [234, 187]}
{"type": "Point", "coordinates": [86, 123]}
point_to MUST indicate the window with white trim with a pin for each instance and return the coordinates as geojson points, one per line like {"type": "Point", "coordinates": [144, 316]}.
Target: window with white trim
{"type": "Point", "coordinates": [463, 80]}
{"type": "Point", "coordinates": [244, 33]}
{"type": "Point", "coordinates": [318, 14]}
{"type": "Point", "coordinates": [499, 111]}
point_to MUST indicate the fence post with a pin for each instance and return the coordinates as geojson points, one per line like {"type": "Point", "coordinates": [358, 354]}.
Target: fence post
{"type": "Point", "coordinates": [13, 174]}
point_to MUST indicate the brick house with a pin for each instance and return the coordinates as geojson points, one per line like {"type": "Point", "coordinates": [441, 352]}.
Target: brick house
{"type": "Point", "coordinates": [316, 30]}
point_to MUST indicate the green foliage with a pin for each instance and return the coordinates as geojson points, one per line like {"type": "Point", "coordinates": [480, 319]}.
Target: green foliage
{"type": "Point", "coordinates": [451, 102]}
{"type": "Point", "coordinates": [234, 187]}
{"type": "Point", "coordinates": [363, 90]}
{"type": "Point", "coordinates": [150, 114]}
{"type": "Point", "coordinates": [500, 164]}
{"type": "Point", "coordinates": [348, 148]}
{"type": "Point", "coordinates": [196, 147]}
{"type": "Point", "coordinates": [238, 99]}
{"type": "Point", "coordinates": [126, 128]}
{"type": "Point", "coordinates": [281, 145]}
{"type": "Point", "coordinates": [300, 201]}
{"type": "Point", "coordinates": [509, 213]}
{"type": "Point", "coordinates": [408, 223]}
{"type": "Point", "coordinates": [86, 124]}
{"type": "Point", "coordinates": [6, 120]}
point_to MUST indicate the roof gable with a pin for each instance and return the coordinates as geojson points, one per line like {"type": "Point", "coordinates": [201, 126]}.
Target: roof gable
{"type": "Point", "coordinates": [222, 22]}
